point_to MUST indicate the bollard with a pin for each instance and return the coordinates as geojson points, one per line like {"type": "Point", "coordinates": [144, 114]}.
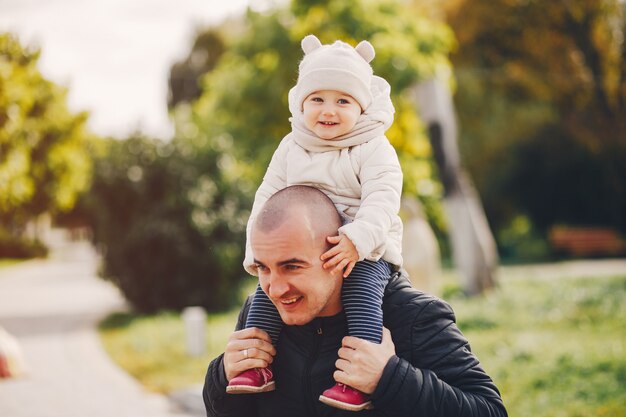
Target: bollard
{"type": "Point", "coordinates": [195, 330]}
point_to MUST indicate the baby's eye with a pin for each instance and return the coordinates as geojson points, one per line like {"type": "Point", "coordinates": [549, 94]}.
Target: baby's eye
{"type": "Point", "coordinates": [343, 101]}
{"type": "Point", "coordinates": [317, 99]}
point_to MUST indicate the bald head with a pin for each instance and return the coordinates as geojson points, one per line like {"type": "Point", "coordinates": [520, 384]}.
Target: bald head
{"type": "Point", "coordinates": [288, 238]}
{"type": "Point", "coordinates": [308, 204]}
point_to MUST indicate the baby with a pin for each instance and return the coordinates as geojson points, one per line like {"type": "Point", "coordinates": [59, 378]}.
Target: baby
{"type": "Point", "coordinates": [340, 112]}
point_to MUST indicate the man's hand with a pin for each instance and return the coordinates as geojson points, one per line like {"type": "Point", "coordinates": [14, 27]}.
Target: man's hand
{"type": "Point", "coordinates": [247, 349]}
{"type": "Point", "coordinates": [343, 256]}
{"type": "Point", "coordinates": [361, 363]}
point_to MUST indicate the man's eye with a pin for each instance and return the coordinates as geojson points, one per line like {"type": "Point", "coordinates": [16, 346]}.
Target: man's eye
{"type": "Point", "coordinates": [260, 268]}
{"type": "Point", "coordinates": [292, 267]}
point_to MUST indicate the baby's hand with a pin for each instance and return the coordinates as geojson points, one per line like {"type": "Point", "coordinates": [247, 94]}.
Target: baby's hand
{"type": "Point", "coordinates": [343, 256]}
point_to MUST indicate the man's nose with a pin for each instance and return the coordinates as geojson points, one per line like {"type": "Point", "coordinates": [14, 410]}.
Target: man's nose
{"type": "Point", "coordinates": [278, 285]}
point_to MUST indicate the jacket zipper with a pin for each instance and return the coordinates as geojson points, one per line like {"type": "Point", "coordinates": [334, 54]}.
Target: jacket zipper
{"type": "Point", "coordinates": [307, 373]}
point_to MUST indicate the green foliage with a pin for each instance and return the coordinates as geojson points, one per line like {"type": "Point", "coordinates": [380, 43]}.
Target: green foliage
{"type": "Point", "coordinates": [170, 222]}
{"type": "Point", "coordinates": [184, 82]}
{"type": "Point", "coordinates": [541, 103]}
{"type": "Point", "coordinates": [245, 95]}
{"type": "Point", "coordinates": [519, 242]}
{"type": "Point", "coordinates": [44, 163]}
{"type": "Point", "coordinates": [12, 247]}
{"type": "Point", "coordinates": [567, 182]}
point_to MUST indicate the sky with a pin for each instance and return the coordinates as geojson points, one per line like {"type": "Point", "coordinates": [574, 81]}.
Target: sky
{"type": "Point", "coordinates": [114, 56]}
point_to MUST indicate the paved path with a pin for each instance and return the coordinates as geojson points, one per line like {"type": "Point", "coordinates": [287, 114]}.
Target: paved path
{"type": "Point", "coordinates": [52, 307]}
{"type": "Point", "coordinates": [566, 269]}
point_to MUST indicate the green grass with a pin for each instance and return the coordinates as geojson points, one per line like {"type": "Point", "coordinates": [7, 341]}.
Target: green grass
{"type": "Point", "coordinates": [554, 347]}
{"type": "Point", "coordinates": [9, 262]}
{"type": "Point", "coordinates": [152, 348]}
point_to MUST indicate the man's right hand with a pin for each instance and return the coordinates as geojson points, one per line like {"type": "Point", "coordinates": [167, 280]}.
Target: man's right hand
{"type": "Point", "coordinates": [247, 349]}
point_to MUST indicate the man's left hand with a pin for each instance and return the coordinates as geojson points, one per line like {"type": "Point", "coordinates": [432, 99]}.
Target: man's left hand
{"type": "Point", "coordinates": [361, 363]}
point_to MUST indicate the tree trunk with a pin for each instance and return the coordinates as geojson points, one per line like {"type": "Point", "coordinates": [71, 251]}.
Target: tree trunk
{"type": "Point", "coordinates": [473, 247]}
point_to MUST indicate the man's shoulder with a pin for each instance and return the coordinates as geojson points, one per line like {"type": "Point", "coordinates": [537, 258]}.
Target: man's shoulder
{"type": "Point", "coordinates": [403, 301]}
{"type": "Point", "coordinates": [243, 313]}
{"type": "Point", "coordinates": [415, 319]}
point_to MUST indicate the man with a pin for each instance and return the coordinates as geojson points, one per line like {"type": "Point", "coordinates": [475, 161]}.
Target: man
{"type": "Point", "coordinates": [423, 367]}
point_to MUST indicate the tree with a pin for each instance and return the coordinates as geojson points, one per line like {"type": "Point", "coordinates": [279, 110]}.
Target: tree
{"type": "Point", "coordinates": [44, 162]}
{"type": "Point", "coordinates": [184, 82]}
{"type": "Point", "coordinates": [541, 101]}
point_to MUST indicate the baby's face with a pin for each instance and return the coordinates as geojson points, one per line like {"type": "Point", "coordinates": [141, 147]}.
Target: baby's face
{"type": "Point", "coordinates": [330, 114]}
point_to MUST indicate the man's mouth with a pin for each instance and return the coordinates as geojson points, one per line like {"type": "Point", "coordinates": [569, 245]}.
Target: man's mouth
{"type": "Point", "coordinates": [288, 301]}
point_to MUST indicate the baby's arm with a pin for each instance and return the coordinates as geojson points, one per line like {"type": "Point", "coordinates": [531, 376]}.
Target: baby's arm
{"type": "Point", "coordinates": [381, 189]}
{"type": "Point", "coordinates": [342, 256]}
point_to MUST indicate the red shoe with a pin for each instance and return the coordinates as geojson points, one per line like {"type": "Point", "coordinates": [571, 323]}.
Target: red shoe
{"type": "Point", "coordinates": [5, 371]}
{"type": "Point", "coordinates": [252, 381]}
{"type": "Point", "coordinates": [346, 398]}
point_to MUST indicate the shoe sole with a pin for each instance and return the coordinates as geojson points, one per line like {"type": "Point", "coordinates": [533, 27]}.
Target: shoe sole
{"type": "Point", "coordinates": [250, 389]}
{"type": "Point", "coordinates": [345, 406]}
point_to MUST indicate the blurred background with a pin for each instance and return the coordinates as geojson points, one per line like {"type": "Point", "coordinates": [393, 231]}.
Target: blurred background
{"type": "Point", "coordinates": [145, 127]}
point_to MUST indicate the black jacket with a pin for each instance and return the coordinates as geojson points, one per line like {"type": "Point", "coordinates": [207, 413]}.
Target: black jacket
{"type": "Point", "coordinates": [433, 373]}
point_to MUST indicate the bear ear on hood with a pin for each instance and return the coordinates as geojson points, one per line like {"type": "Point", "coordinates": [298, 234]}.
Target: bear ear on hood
{"type": "Point", "coordinates": [366, 50]}
{"type": "Point", "coordinates": [310, 43]}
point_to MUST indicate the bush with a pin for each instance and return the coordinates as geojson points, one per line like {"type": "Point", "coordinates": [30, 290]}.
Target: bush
{"type": "Point", "coordinates": [170, 226]}
{"type": "Point", "coordinates": [19, 248]}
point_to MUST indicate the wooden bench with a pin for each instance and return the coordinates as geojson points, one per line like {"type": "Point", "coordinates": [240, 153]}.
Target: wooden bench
{"type": "Point", "coordinates": [586, 241]}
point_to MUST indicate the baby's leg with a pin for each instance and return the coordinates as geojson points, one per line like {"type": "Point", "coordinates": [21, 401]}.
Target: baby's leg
{"type": "Point", "coordinates": [263, 315]}
{"type": "Point", "coordinates": [362, 297]}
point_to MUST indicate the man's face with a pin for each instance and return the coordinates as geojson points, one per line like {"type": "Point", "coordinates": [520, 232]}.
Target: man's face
{"type": "Point", "coordinates": [291, 273]}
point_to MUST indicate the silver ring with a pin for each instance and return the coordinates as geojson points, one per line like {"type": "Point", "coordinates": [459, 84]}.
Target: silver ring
{"type": "Point", "coordinates": [245, 353]}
